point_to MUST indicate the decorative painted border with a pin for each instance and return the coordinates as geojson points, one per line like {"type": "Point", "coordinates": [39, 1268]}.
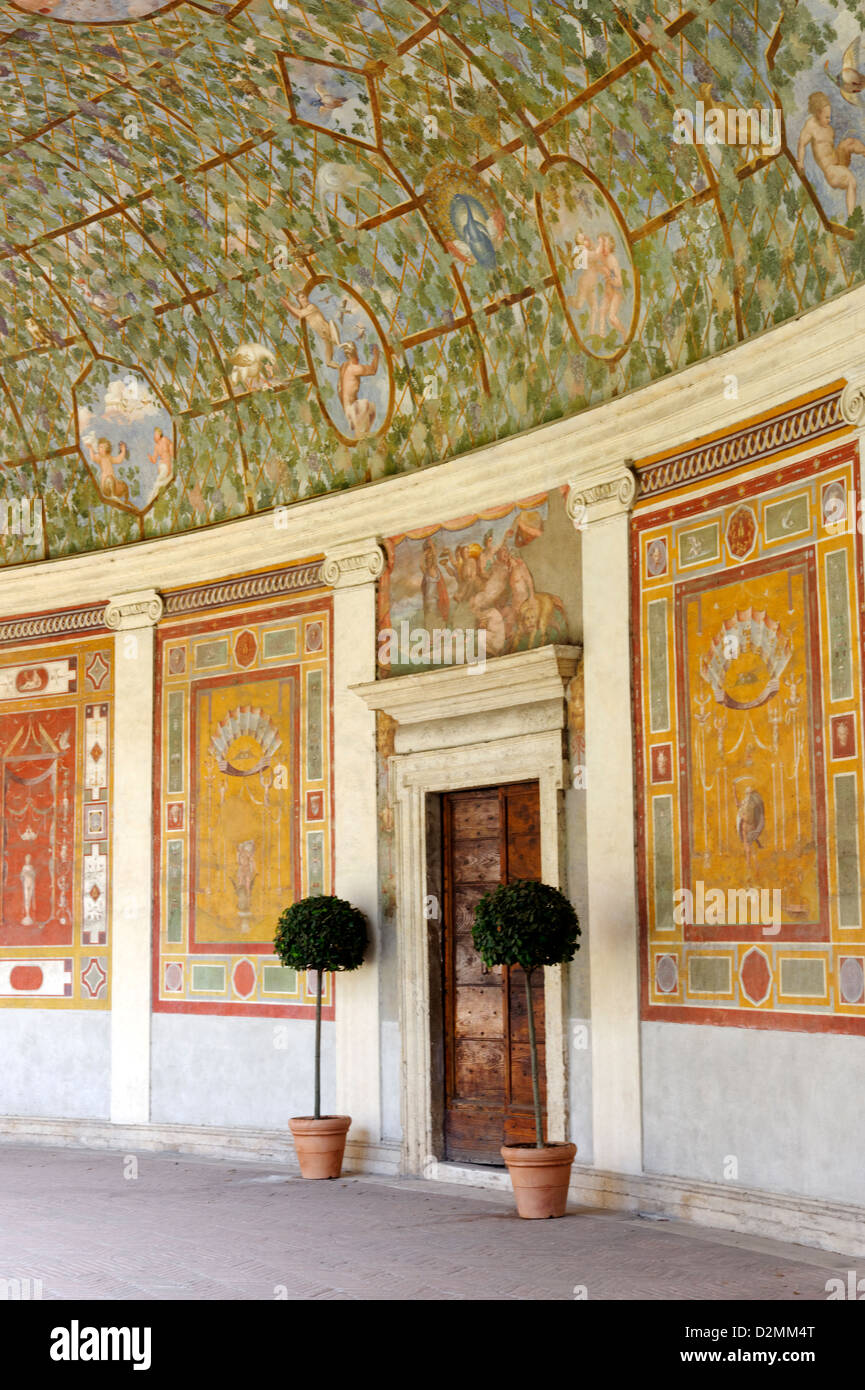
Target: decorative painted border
{"type": "Point", "coordinates": [753, 443]}
{"type": "Point", "coordinates": [271, 584]}
{"type": "Point", "coordinates": [40, 625]}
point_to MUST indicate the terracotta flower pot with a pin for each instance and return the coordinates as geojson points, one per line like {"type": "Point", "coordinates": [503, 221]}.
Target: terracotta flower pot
{"type": "Point", "coordinates": [320, 1144]}
{"type": "Point", "coordinates": [540, 1177]}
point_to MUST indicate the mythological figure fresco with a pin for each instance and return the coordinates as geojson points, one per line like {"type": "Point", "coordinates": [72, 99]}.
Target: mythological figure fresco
{"type": "Point", "coordinates": [592, 257]}
{"type": "Point", "coordinates": [351, 366]}
{"type": "Point", "coordinates": [489, 573]}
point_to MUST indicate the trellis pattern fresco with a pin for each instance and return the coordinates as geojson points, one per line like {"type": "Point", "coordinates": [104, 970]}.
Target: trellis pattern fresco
{"type": "Point", "coordinates": [259, 251]}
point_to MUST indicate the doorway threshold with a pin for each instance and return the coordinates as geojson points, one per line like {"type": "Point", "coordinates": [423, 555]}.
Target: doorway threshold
{"type": "Point", "coordinates": [468, 1174]}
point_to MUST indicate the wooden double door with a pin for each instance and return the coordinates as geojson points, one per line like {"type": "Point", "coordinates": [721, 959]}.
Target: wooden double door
{"type": "Point", "coordinates": [490, 836]}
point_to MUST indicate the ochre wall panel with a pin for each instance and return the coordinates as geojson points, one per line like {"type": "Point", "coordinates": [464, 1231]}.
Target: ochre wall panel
{"type": "Point", "coordinates": [747, 596]}
{"type": "Point", "coordinates": [243, 798]}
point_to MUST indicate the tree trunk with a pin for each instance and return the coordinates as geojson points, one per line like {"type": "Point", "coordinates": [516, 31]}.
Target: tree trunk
{"type": "Point", "coordinates": [533, 1049]}
{"type": "Point", "coordinates": [320, 974]}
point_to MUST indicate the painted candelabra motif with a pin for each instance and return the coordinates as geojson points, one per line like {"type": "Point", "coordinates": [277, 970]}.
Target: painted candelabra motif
{"type": "Point", "coordinates": [37, 753]}
{"type": "Point", "coordinates": [748, 593]}
{"type": "Point", "coordinates": [752, 706]}
{"type": "Point", "coordinates": [245, 812]}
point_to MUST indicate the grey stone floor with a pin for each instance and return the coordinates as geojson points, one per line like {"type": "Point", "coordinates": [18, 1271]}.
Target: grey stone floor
{"type": "Point", "coordinates": [86, 1225]}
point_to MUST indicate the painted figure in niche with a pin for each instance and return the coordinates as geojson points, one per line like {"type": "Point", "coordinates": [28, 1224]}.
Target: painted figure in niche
{"type": "Point", "coordinates": [834, 504]}
{"type": "Point", "coordinates": [850, 81]}
{"type": "Point", "coordinates": [325, 329]}
{"type": "Point", "coordinates": [246, 876]}
{"type": "Point", "coordinates": [28, 890]}
{"type": "Point", "coordinates": [750, 819]}
{"type": "Point", "coordinates": [359, 412]}
{"type": "Point", "coordinates": [656, 558]}
{"type": "Point", "coordinates": [111, 486]}
{"type": "Point", "coordinates": [832, 160]}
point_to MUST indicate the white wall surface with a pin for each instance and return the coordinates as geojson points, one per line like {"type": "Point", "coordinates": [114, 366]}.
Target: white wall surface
{"type": "Point", "coordinates": [787, 1106]}
{"type": "Point", "coordinates": [250, 1072]}
{"type": "Point", "coordinates": [55, 1063]}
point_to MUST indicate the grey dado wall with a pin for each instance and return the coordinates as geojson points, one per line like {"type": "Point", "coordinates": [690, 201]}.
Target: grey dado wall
{"type": "Point", "coordinates": [787, 1106]}
{"type": "Point", "coordinates": [247, 1072]}
{"type": "Point", "coordinates": [56, 1063]}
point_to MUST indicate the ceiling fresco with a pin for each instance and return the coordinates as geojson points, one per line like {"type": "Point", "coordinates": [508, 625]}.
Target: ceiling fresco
{"type": "Point", "coordinates": [254, 252]}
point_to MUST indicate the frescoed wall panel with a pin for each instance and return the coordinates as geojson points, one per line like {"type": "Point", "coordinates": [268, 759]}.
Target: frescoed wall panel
{"type": "Point", "coordinates": [243, 803]}
{"type": "Point", "coordinates": [749, 590]}
{"type": "Point", "coordinates": [56, 731]}
{"type": "Point", "coordinates": [509, 576]}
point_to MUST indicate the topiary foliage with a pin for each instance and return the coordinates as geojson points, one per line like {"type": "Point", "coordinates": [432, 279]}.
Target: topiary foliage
{"type": "Point", "coordinates": [525, 923]}
{"type": "Point", "coordinates": [322, 933]}
{"type": "Point", "coordinates": [529, 924]}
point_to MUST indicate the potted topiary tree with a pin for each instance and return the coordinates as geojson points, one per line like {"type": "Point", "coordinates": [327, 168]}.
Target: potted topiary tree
{"type": "Point", "coordinates": [321, 934]}
{"type": "Point", "coordinates": [531, 924]}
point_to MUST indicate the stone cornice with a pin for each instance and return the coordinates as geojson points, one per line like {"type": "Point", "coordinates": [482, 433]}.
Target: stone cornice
{"type": "Point", "coordinates": [358, 563]}
{"type": "Point", "coordinates": [125, 612]}
{"type": "Point", "coordinates": [453, 692]}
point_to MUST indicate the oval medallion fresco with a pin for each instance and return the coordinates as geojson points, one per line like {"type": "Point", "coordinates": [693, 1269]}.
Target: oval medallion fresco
{"type": "Point", "coordinates": [587, 245]}
{"type": "Point", "coordinates": [94, 11]}
{"type": "Point", "coordinates": [348, 358]}
{"type": "Point", "coordinates": [125, 434]}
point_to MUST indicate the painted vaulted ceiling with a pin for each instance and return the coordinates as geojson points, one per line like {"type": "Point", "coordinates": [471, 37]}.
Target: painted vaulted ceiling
{"type": "Point", "coordinates": [253, 252]}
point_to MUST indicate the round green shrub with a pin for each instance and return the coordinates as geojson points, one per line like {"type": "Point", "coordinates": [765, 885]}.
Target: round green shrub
{"type": "Point", "coordinates": [525, 923]}
{"type": "Point", "coordinates": [322, 933]}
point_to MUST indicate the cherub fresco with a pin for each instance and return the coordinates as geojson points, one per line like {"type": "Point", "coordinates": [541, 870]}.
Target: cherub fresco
{"type": "Point", "coordinates": [126, 436]}
{"type": "Point", "coordinates": [832, 159]}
